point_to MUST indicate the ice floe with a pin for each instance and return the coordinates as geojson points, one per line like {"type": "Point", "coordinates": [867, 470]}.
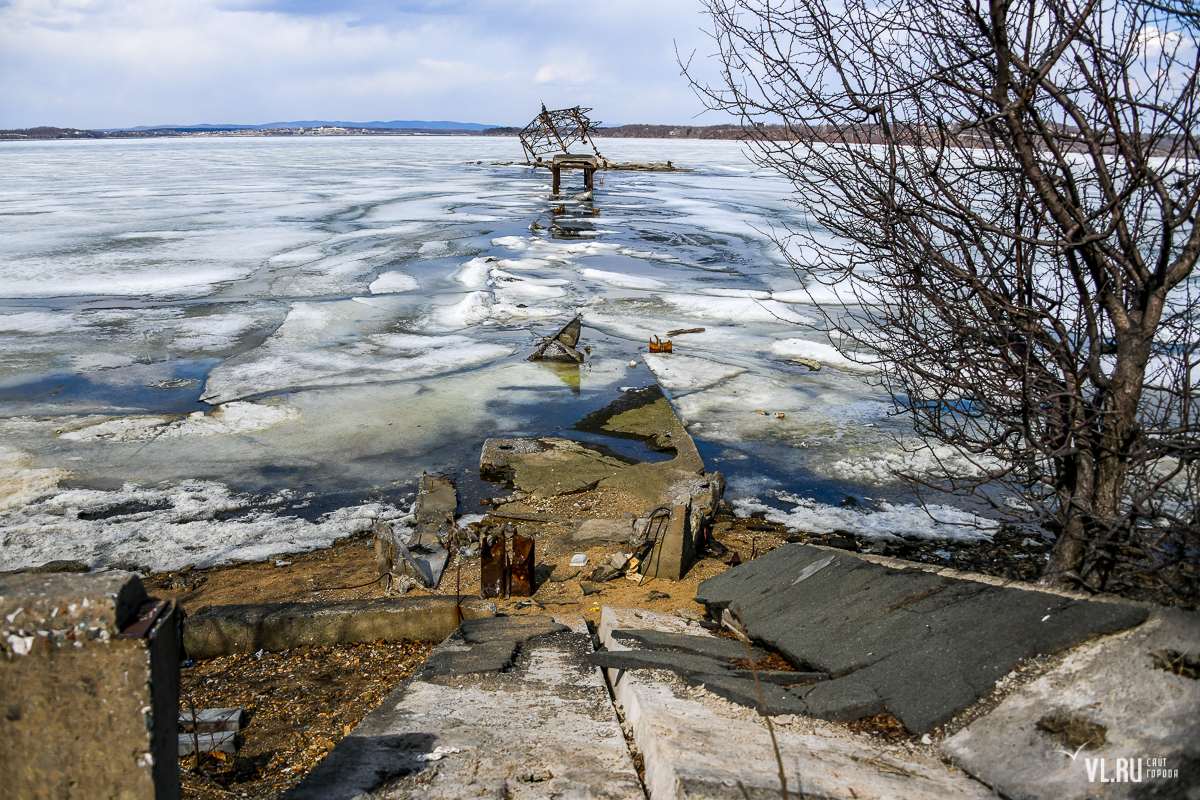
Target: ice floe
{"type": "Point", "coordinates": [687, 373]}
{"type": "Point", "coordinates": [935, 522]}
{"type": "Point", "coordinates": [391, 282]}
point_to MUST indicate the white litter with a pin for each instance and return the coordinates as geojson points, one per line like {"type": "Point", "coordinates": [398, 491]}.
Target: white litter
{"type": "Point", "coordinates": [579, 560]}
{"type": "Point", "coordinates": [438, 754]}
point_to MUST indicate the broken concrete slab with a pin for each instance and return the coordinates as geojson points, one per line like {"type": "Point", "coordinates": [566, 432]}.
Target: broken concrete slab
{"type": "Point", "coordinates": [1143, 712]}
{"type": "Point", "coordinates": [548, 467]}
{"type": "Point", "coordinates": [686, 736]}
{"type": "Point", "coordinates": [393, 559]}
{"type": "Point", "coordinates": [543, 727]}
{"type": "Point", "coordinates": [711, 646]}
{"type": "Point", "coordinates": [685, 664]}
{"type": "Point", "coordinates": [436, 499]}
{"type": "Point", "coordinates": [673, 551]}
{"type": "Point", "coordinates": [491, 643]}
{"type": "Point", "coordinates": [499, 629]}
{"type": "Point", "coordinates": [744, 691]}
{"type": "Point", "coordinates": [224, 630]}
{"type": "Point", "coordinates": [645, 415]}
{"type": "Point", "coordinates": [927, 644]}
{"type": "Point", "coordinates": [561, 346]}
{"type": "Point", "coordinates": [89, 676]}
{"type": "Point", "coordinates": [842, 700]}
{"type": "Point", "coordinates": [208, 730]}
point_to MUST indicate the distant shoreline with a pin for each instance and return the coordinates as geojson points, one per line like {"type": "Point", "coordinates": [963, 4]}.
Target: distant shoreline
{"type": "Point", "coordinates": [728, 132]}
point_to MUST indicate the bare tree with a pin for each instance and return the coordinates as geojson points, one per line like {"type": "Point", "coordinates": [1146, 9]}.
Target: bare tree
{"type": "Point", "coordinates": [1003, 198]}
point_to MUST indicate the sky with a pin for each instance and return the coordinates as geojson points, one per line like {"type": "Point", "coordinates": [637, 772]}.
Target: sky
{"type": "Point", "coordinates": [124, 63]}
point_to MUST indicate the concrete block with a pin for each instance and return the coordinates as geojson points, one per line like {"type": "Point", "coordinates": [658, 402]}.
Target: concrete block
{"type": "Point", "coordinates": [223, 630]}
{"type": "Point", "coordinates": [675, 550]}
{"type": "Point", "coordinates": [89, 687]}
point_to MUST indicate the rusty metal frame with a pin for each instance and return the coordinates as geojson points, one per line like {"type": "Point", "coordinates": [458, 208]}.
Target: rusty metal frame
{"type": "Point", "coordinates": [551, 131]}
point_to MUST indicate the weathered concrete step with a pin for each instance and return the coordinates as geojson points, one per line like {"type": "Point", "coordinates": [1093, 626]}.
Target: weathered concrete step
{"type": "Point", "coordinates": [923, 646]}
{"type": "Point", "coordinates": [696, 747]}
{"type": "Point", "coordinates": [504, 709]}
{"type": "Point", "coordinates": [223, 630]}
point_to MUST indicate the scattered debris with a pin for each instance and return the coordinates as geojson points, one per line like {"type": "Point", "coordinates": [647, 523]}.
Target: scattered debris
{"type": "Point", "coordinates": [561, 346]}
{"type": "Point", "coordinates": [208, 730]}
{"type": "Point", "coordinates": [438, 753]}
{"type": "Point", "coordinates": [579, 560]}
{"type": "Point", "coordinates": [1185, 664]}
{"type": "Point", "coordinates": [679, 331]}
{"type": "Point", "coordinates": [813, 366]}
{"type": "Point", "coordinates": [659, 346]}
{"type": "Point", "coordinates": [779, 415]}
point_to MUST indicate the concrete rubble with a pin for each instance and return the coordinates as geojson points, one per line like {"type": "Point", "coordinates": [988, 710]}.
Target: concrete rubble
{"type": "Point", "coordinates": [894, 633]}
{"type": "Point", "coordinates": [676, 499]}
{"type": "Point", "coordinates": [504, 708]}
{"type": "Point", "coordinates": [695, 745]}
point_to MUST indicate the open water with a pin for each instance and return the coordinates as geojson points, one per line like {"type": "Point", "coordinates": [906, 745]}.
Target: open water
{"type": "Point", "coordinates": [233, 348]}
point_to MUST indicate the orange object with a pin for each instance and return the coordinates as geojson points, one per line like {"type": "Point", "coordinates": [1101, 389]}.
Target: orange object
{"type": "Point", "coordinates": [659, 346]}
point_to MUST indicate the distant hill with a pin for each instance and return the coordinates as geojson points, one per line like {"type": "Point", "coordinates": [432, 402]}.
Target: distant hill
{"type": "Point", "coordinates": [396, 124]}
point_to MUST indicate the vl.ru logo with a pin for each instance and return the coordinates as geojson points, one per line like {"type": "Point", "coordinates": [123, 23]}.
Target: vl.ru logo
{"type": "Point", "coordinates": [1127, 770]}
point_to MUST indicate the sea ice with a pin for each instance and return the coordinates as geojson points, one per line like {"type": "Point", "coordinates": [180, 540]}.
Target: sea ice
{"type": "Point", "coordinates": [821, 352]}
{"type": "Point", "coordinates": [391, 282]}
{"type": "Point", "coordinates": [680, 374]}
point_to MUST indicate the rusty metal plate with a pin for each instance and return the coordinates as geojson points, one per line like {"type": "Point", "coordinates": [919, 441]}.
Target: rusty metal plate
{"type": "Point", "coordinates": [521, 582]}
{"type": "Point", "coordinates": [493, 566]}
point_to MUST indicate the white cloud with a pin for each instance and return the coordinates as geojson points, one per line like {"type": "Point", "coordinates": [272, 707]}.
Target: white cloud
{"type": "Point", "coordinates": [108, 63]}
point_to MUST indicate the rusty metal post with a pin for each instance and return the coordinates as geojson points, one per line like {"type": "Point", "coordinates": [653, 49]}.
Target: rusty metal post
{"type": "Point", "coordinates": [588, 172]}
{"type": "Point", "coordinates": [556, 171]}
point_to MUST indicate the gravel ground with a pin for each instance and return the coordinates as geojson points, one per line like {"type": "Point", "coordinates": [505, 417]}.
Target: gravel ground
{"type": "Point", "coordinates": [299, 704]}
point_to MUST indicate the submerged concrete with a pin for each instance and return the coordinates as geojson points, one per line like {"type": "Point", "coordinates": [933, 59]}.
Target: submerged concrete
{"type": "Point", "coordinates": [547, 467]}
{"type": "Point", "coordinates": [505, 709]}
{"type": "Point", "coordinates": [224, 630]}
{"type": "Point", "coordinates": [920, 645]}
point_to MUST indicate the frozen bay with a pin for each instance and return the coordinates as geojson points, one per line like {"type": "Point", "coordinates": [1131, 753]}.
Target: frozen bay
{"type": "Point", "coordinates": [230, 348]}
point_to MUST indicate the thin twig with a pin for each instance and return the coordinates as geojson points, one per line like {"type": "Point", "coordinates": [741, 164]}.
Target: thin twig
{"type": "Point", "coordinates": [740, 630]}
